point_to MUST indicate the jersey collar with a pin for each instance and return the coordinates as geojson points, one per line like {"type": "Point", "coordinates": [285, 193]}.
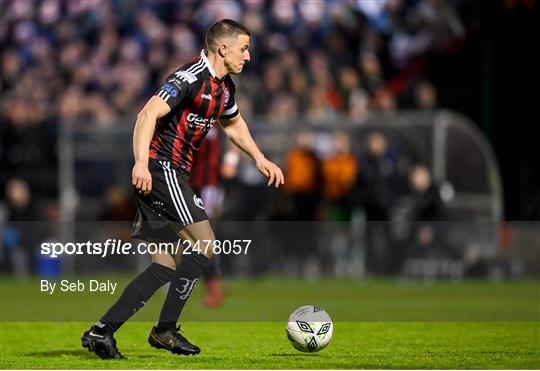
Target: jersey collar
{"type": "Point", "coordinates": [207, 63]}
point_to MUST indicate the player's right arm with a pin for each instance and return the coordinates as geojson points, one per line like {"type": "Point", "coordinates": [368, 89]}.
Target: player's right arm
{"type": "Point", "coordinates": [142, 136]}
{"type": "Point", "coordinates": [171, 94]}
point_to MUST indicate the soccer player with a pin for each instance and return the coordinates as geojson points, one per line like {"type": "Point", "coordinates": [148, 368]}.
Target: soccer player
{"type": "Point", "coordinates": [169, 129]}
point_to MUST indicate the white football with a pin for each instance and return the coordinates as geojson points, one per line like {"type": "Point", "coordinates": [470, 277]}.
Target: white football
{"type": "Point", "coordinates": [309, 328]}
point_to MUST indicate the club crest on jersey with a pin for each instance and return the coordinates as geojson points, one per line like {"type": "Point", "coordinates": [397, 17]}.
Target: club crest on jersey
{"type": "Point", "coordinates": [226, 96]}
{"type": "Point", "coordinates": [206, 96]}
{"type": "Point", "coordinates": [198, 202]}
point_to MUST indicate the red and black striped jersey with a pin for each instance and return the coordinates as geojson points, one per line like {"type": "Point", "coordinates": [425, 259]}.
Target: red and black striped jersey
{"type": "Point", "coordinates": [198, 98]}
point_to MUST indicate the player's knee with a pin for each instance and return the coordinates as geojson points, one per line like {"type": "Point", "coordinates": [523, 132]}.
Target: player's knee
{"type": "Point", "coordinates": [199, 231]}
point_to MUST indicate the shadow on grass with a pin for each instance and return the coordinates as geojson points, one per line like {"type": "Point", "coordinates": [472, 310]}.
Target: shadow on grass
{"type": "Point", "coordinates": [59, 353]}
{"type": "Point", "coordinates": [81, 354]}
{"type": "Point", "coordinates": [294, 355]}
{"type": "Point", "coordinates": [145, 356]}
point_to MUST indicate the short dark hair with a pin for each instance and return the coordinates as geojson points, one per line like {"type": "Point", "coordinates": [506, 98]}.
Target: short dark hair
{"type": "Point", "coordinates": [224, 28]}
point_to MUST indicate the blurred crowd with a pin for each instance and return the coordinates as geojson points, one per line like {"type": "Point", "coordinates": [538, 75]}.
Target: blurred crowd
{"type": "Point", "coordinates": [102, 59]}
{"type": "Point", "coordinates": [93, 61]}
{"type": "Point", "coordinates": [99, 59]}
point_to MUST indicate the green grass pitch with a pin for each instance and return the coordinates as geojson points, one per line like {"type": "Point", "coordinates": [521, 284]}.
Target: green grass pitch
{"type": "Point", "coordinates": [378, 324]}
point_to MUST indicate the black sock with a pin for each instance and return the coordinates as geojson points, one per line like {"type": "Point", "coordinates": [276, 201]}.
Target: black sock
{"type": "Point", "coordinates": [134, 297]}
{"type": "Point", "coordinates": [186, 276]}
{"type": "Point", "coordinates": [212, 270]}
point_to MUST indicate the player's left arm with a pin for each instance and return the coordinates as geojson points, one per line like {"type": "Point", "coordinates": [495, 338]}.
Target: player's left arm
{"type": "Point", "coordinates": [237, 131]}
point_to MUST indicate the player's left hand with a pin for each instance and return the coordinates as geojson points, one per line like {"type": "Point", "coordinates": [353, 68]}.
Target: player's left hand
{"type": "Point", "coordinates": [271, 171]}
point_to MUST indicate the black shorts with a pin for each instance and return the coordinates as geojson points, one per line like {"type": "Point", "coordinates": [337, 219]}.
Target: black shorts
{"type": "Point", "coordinates": [170, 206]}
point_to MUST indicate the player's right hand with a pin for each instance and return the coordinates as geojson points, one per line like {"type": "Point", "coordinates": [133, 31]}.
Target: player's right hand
{"type": "Point", "coordinates": [271, 171]}
{"type": "Point", "coordinates": [141, 178]}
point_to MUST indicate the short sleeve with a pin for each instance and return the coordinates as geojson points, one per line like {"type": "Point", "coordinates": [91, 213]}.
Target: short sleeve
{"type": "Point", "coordinates": [230, 108]}
{"type": "Point", "coordinates": [177, 87]}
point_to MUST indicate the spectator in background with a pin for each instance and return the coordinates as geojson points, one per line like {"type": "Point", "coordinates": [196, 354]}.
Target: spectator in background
{"type": "Point", "coordinates": [298, 82]}
{"type": "Point", "coordinates": [425, 95]}
{"type": "Point", "coordinates": [303, 170]}
{"type": "Point", "coordinates": [11, 69]}
{"type": "Point", "coordinates": [358, 106]}
{"type": "Point", "coordinates": [283, 109]}
{"type": "Point", "coordinates": [349, 83]}
{"type": "Point", "coordinates": [427, 201]}
{"type": "Point", "coordinates": [303, 173]}
{"type": "Point", "coordinates": [320, 110]}
{"type": "Point", "coordinates": [384, 101]}
{"type": "Point", "coordinates": [19, 201]}
{"type": "Point", "coordinates": [16, 239]}
{"type": "Point", "coordinates": [339, 176]}
{"type": "Point", "coordinates": [375, 193]}
{"type": "Point", "coordinates": [376, 176]}
{"type": "Point", "coordinates": [415, 231]}
{"type": "Point", "coordinates": [372, 74]}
